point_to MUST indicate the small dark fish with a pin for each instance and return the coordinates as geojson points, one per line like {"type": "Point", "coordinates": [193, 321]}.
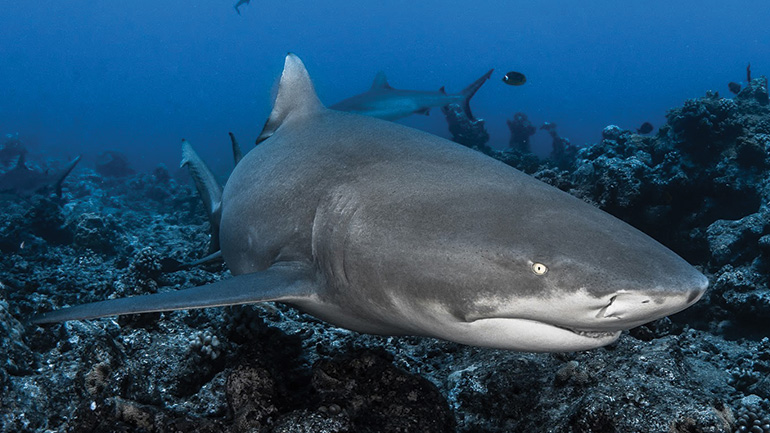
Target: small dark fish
{"type": "Point", "coordinates": [734, 87]}
{"type": "Point", "coordinates": [646, 128]}
{"type": "Point", "coordinates": [514, 78]}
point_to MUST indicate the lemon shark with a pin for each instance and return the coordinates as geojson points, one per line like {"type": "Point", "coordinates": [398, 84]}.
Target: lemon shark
{"type": "Point", "coordinates": [380, 228]}
{"type": "Point", "coordinates": [385, 102]}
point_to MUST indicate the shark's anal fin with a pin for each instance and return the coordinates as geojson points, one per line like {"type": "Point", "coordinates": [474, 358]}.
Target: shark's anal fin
{"type": "Point", "coordinates": [281, 282]}
{"type": "Point", "coordinates": [237, 152]}
{"type": "Point", "coordinates": [296, 96]}
{"type": "Point", "coordinates": [208, 188]}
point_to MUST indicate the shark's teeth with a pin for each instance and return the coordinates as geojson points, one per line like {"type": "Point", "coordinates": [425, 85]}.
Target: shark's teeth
{"type": "Point", "coordinates": [595, 334]}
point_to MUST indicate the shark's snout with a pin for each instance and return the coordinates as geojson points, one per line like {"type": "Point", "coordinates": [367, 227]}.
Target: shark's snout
{"type": "Point", "coordinates": [627, 309]}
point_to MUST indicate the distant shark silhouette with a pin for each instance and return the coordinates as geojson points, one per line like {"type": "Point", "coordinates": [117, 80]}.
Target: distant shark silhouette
{"type": "Point", "coordinates": [385, 102]}
{"type": "Point", "coordinates": [24, 182]}
{"type": "Point", "coordinates": [240, 3]}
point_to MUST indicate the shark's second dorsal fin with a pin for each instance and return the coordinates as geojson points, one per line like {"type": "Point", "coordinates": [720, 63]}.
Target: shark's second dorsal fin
{"type": "Point", "coordinates": [296, 96]}
{"type": "Point", "coordinates": [380, 81]}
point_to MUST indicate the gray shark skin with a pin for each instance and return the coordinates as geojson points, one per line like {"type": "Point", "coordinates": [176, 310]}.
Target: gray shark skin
{"type": "Point", "coordinates": [24, 182]}
{"type": "Point", "coordinates": [384, 229]}
{"type": "Point", "coordinates": [384, 102]}
{"type": "Point", "coordinates": [239, 4]}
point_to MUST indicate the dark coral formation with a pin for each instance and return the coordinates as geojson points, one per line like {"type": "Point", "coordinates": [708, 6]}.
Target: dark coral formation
{"type": "Point", "coordinates": [562, 150]}
{"type": "Point", "coordinates": [11, 150]}
{"type": "Point", "coordinates": [112, 163]}
{"type": "Point", "coordinates": [521, 130]}
{"type": "Point", "coordinates": [699, 185]}
{"type": "Point", "coordinates": [467, 131]}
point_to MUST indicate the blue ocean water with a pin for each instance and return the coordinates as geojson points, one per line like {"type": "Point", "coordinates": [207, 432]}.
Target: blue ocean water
{"type": "Point", "coordinates": [85, 76]}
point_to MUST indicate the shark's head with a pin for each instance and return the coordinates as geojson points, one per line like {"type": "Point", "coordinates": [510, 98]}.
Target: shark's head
{"type": "Point", "coordinates": [572, 279]}
{"type": "Point", "coordinates": [508, 261]}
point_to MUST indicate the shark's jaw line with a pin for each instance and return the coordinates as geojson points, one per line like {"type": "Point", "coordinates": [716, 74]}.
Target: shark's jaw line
{"type": "Point", "coordinates": [531, 335]}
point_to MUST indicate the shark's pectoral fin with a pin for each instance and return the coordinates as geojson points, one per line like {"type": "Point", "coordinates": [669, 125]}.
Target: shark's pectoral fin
{"type": "Point", "coordinates": [296, 96]}
{"type": "Point", "coordinates": [280, 282]}
{"type": "Point", "coordinates": [424, 111]}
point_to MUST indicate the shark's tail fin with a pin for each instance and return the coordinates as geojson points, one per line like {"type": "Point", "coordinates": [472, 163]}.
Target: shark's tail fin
{"type": "Point", "coordinates": [208, 188]}
{"type": "Point", "coordinates": [471, 90]}
{"type": "Point", "coordinates": [64, 174]}
{"type": "Point", "coordinates": [237, 153]}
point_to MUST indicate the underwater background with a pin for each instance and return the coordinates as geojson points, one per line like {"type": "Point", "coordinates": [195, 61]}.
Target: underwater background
{"type": "Point", "coordinates": [84, 76]}
{"type": "Point", "coordinates": [121, 84]}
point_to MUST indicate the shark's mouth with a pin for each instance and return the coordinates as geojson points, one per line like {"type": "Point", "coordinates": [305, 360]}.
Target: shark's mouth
{"type": "Point", "coordinates": [592, 334]}
{"type": "Point", "coordinates": [589, 334]}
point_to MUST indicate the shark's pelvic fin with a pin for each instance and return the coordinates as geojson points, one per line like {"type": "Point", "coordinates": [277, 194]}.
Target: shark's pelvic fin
{"type": "Point", "coordinates": [281, 282]}
{"type": "Point", "coordinates": [213, 257]}
{"type": "Point", "coordinates": [471, 90]}
{"type": "Point", "coordinates": [168, 264]}
{"type": "Point", "coordinates": [208, 188]}
{"type": "Point", "coordinates": [237, 153]}
{"type": "Point", "coordinates": [296, 96]}
{"type": "Point", "coordinates": [380, 81]}
{"type": "Point", "coordinates": [64, 174]}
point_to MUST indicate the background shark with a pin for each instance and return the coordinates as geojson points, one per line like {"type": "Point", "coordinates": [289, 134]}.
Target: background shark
{"type": "Point", "coordinates": [25, 182]}
{"type": "Point", "coordinates": [385, 102]}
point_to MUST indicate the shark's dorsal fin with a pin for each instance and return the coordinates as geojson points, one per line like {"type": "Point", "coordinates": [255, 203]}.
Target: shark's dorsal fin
{"type": "Point", "coordinates": [64, 174]}
{"type": "Point", "coordinates": [442, 90]}
{"type": "Point", "coordinates": [21, 163]}
{"type": "Point", "coordinates": [296, 96]}
{"type": "Point", "coordinates": [380, 81]}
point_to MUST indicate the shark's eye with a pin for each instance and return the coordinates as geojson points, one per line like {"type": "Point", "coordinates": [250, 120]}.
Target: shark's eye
{"type": "Point", "coordinates": [539, 268]}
